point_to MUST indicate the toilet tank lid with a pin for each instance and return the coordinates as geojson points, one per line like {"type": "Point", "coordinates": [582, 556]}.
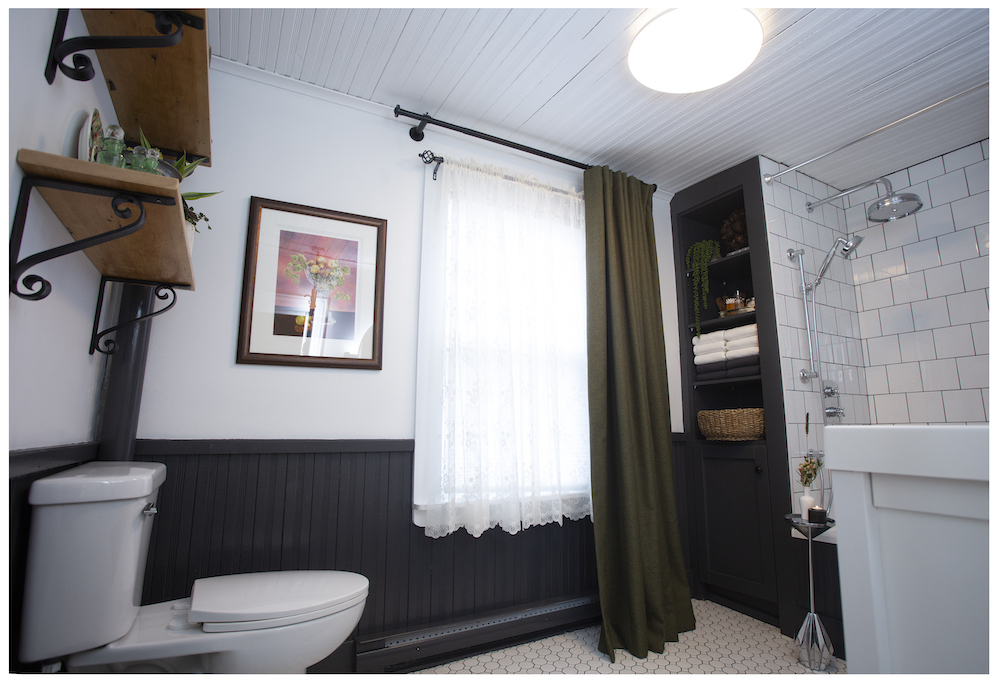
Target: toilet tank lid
{"type": "Point", "coordinates": [273, 594]}
{"type": "Point", "coordinates": [98, 481]}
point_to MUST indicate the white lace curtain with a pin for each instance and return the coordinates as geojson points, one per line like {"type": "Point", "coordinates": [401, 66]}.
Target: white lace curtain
{"type": "Point", "coordinates": [502, 427]}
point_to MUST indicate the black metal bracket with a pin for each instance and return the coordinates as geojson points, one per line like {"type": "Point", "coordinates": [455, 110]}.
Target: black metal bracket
{"type": "Point", "coordinates": [118, 199]}
{"type": "Point", "coordinates": [83, 70]}
{"type": "Point", "coordinates": [428, 157]}
{"type": "Point", "coordinates": [162, 291]}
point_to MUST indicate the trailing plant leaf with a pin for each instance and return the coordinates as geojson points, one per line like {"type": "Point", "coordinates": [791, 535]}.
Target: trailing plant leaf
{"type": "Point", "coordinates": [195, 195]}
{"type": "Point", "coordinates": [185, 168]}
{"type": "Point", "coordinates": [698, 257]}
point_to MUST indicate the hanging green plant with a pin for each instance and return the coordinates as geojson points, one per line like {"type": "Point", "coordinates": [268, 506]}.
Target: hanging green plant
{"type": "Point", "coordinates": [698, 257]}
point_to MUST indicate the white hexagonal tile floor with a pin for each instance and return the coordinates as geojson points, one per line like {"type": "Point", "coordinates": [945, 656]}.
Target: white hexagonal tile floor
{"type": "Point", "coordinates": [723, 642]}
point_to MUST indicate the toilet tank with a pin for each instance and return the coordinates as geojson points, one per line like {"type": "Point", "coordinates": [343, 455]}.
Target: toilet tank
{"type": "Point", "coordinates": [90, 529]}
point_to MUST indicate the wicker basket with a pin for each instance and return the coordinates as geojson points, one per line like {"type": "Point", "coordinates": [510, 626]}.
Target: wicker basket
{"type": "Point", "coordinates": [732, 425]}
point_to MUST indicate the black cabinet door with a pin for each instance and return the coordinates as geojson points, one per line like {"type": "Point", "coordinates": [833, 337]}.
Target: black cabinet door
{"type": "Point", "coordinates": [732, 505]}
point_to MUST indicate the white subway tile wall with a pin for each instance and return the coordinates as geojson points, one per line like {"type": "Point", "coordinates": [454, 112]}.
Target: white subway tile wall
{"type": "Point", "coordinates": [791, 226]}
{"type": "Point", "coordinates": [945, 283]}
{"type": "Point", "coordinates": [904, 323]}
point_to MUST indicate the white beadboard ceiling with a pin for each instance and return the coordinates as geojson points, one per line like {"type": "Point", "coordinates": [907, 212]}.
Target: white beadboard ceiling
{"type": "Point", "coordinates": [558, 80]}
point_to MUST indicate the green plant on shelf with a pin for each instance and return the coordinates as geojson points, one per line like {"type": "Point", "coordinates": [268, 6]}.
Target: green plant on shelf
{"type": "Point", "coordinates": [698, 257]}
{"type": "Point", "coordinates": [184, 169]}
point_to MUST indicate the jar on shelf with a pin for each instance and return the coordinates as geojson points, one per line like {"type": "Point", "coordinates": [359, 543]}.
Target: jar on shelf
{"type": "Point", "coordinates": [151, 160]}
{"type": "Point", "coordinates": [112, 147]}
{"type": "Point", "coordinates": [135, 158]}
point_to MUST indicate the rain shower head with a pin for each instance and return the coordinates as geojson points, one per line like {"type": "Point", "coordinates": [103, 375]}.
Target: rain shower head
{"type": "Point", "coordinates": [892, 206]}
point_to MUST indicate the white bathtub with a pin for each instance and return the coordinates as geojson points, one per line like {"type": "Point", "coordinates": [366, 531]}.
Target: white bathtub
{"type": "Point", "coordinates": [913, 546]}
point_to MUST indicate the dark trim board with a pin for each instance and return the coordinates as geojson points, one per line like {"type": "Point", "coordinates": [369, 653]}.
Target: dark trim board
{"type": "Point", "coordinates": [435, 644]}
{"type": "Point", "coordinates": [193, 447]}
{"type": "Point", "coordinates": [36, 463]}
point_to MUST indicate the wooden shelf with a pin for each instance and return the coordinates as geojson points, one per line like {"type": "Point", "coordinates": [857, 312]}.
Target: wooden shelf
{"type": "Point", "coordinates": [162, 90]}
{"type": "Point", "coordinates": [155, 253]}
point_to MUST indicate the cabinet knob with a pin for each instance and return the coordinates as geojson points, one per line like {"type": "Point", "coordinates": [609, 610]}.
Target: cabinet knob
{"type": "Point", "coordinates": [758, 469]}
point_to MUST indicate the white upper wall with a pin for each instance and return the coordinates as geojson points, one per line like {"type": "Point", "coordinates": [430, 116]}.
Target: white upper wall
{"type": "Point", "coordinates": [285, 141]}
{"type": "Point", "coordinates": [53, 381]}
{"type": "Point", "coordinates": [275, 139]}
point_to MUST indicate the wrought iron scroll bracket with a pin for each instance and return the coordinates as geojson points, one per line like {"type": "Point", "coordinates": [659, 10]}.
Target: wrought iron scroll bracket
{"type": "Point", "coordinates": [171, 23]}
{"type": "Point", "coordinates": [41, 286]}
{"type": "Point", "coordinates": [162, 292]}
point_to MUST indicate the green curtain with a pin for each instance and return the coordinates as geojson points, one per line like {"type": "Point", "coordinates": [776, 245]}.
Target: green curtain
{"type": "Point", "coordinates": [645, 599]}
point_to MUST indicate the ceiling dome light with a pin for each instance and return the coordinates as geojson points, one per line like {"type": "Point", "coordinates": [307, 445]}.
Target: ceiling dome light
{"type": "Point", "coordinates": [691, 49]}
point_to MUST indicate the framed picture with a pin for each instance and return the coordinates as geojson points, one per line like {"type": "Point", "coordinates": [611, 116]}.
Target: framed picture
{"type": "Point", "coordinates": [312, 287]}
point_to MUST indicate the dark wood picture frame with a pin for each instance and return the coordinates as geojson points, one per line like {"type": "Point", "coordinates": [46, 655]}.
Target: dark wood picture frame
{"type": "Point", "coordinates": [277, 227]}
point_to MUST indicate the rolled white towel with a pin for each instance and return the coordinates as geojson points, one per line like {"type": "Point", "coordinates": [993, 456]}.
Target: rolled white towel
{"type": "Point", "coordinates": [709, 348]}
{"type": "Point", "coordinates": [741, 332]}
{"type": "Point", "coordinates": [741, 343]}
{"type": "Point", "coordinates": [708, 337]}
{"type": "Point", "coordinates": [710, 358]}
{"type": "Point", "coordinates": [741, 353]}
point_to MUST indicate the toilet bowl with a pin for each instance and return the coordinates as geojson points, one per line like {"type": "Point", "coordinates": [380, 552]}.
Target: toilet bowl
{"type": "Point", "coordinates": [86, 557]}
{"type": "Point", "coordinates": [277, 622]}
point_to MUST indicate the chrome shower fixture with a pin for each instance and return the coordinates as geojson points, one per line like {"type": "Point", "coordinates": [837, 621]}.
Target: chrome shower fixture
{"type": "Point", "coordinates": [892, 206]}
{"type": "Point", "coordinates": [846, 247]}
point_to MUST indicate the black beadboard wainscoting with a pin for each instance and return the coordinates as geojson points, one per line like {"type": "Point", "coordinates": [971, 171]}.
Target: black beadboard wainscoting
{"type": "Point", "coordinates": [239, 506]}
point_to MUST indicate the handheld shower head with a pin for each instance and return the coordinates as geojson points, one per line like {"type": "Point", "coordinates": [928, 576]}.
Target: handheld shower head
{"type": "Point", "coordinates": [846, 246]}
{"type": "Point", "coordinates": [850, 245]}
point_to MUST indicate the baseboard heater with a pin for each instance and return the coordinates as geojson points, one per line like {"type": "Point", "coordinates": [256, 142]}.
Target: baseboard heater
{"type": "Point", "coordinates": [421, 647]}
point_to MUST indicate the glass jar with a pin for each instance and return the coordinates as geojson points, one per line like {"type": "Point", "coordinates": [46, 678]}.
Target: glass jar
{"type": "Point", "coordinates": [135, 158]}
{"type": "Point", "coordinates": [112, 146]}
{"type": "Point", "coordinates": [151, 160]}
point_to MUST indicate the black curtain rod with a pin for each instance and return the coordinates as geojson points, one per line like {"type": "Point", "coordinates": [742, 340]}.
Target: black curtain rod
{"type": "Point", "coordinates": [417, 134]}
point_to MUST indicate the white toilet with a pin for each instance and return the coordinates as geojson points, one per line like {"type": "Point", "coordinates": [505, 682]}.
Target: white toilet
{"type": "Point", "coordinates": [90, 530]}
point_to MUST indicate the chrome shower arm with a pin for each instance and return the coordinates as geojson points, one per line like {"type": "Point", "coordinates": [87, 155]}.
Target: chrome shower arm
{"type": "Point", "coordinates": [888, 187]}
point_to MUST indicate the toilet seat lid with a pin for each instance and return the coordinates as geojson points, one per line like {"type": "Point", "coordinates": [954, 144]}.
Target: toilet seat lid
{"type": "Point", "coordinates": [247, 597]}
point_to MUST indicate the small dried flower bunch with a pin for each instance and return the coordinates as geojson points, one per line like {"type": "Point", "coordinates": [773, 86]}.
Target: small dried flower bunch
{"type": "Point", "coordinates": [809, 469]}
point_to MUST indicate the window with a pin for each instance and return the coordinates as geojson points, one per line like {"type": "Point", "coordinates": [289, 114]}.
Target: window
{"type": "Point", "coordinates": [502, 428]}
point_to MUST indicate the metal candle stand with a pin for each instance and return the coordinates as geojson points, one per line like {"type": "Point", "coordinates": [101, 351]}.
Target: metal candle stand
{"type": "Point", "coordinates": [813, 642]}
